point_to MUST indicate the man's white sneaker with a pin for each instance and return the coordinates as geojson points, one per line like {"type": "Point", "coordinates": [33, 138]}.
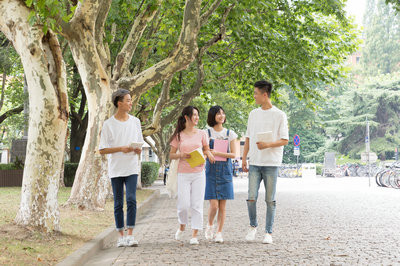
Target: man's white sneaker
{"type": "Point", "coordinates": [209, 234]}
{"type": "Point", "coordinates": [267, 239]}
{"type": "Point", "coordinates": [121, 242]}
{"type": "Point", "coordinates": [131, 242]}
{"type": "Point", "coordinates": [218, 238]}
{"type": "Point", "coordinates": [251, 234]}
{"type": "Point", "coordinates": [178, 234]}
{"type": "Point", "coordinates": [194, 241]}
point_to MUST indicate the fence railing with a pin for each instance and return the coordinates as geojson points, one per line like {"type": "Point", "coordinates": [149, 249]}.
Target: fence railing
{"type": "Point", "coordinates": [11, 178]}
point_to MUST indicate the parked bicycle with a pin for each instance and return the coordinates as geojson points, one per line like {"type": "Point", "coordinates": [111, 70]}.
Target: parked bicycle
{"type": "Point", "coordinates": [389, 177]}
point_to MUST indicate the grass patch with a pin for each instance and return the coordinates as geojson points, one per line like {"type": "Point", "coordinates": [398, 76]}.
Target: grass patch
{"type": "Point", "coordinates": [25, 246]}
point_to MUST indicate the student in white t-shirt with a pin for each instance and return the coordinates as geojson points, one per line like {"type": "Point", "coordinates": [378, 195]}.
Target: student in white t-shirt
{"type": "Point", "coordinates": [118, 132]}
{"type": "Point", "coordinates": [264, 157]}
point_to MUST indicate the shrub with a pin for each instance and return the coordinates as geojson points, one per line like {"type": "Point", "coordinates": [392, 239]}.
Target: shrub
{"type": "Point", "coordinates": [7, 166]}
{"type": "Point", "coordinates": [69, 173]}
{"type": "Point", "coordinates": [318, 168]}
{"type": "Point", "coordinates": [149, 173]}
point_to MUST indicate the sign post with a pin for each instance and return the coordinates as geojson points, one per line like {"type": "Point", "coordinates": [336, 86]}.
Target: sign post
{"type": "Point", "coordinates": [296, 151]}
{"type": "Point", "coordinates": [367, 149]}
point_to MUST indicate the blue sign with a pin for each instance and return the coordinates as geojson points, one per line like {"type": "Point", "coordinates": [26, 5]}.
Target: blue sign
{"type": "Point", "coordinates": [296, 140]}
{"type": "Point", "coordinates": [366, 139]}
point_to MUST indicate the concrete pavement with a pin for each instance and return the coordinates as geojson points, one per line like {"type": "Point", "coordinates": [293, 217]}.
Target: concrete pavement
{"type": "Point", "coordinates": [322, 221]}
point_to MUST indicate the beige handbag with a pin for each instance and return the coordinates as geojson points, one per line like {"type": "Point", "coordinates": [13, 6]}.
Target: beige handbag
{"type": "Point", "coordinates": [172, 178]}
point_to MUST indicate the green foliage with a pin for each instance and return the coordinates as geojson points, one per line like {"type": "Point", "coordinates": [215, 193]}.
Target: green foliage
{"type": "Point", "coordinates": [45, 12]}
{"type": "Point", "coordinates": [69, 173]}
{"type": "Point", "coordinates": [236, 109]}
{"type": "Point", "coordinates": [149, 173]}
{"type": "Point", "coordinates": [295, 45]}
{"type": "Point", "coordinates": [395, 4]}
{"type": "Point", "coordinates": [291, 44]}
{"type": "Point", "coordinates": [377, 99]}
{"type": "Point", "coordinates": [318, 168]}
{"type": "Point", "coordinates": [8, 166]}
{"type": "Point", "coordinates": [382, 39]}
{"type": "Point", "coordinates": [13, 92]}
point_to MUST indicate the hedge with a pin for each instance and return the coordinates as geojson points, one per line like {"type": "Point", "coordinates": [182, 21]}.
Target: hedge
{"type": "Point", "coordinates": [149, 173]}
{"type": "Point", "coordinates": [8, 166]}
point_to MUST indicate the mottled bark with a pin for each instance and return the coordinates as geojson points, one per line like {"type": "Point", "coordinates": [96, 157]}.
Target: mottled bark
{"type": "Point", "coordinates": [91, 182]}
{"type": "Point", "coordinates": [46, 77]}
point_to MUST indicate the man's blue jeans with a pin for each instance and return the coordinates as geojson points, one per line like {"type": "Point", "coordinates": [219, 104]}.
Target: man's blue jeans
{"type": "Point", "coordinates": [118, 191]}
{"type": "Point", "coordinates": [269, 175]}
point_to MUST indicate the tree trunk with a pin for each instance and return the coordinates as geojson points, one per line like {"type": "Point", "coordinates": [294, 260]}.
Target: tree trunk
{"type": "Point", "coordinates": [77, 140]}
{"type": "Point", "coordinates": [46, 76]}
{"type": "Point", "coordinates": [79, 121]}
{"type": "Point", "coordinates": [91, 184]}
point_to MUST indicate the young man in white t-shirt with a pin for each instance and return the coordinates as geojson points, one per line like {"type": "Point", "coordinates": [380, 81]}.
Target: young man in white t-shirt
{"type": "Point", "coordinates": [118, 132]}
{"type": "Point", "coordinates": [264, 157]}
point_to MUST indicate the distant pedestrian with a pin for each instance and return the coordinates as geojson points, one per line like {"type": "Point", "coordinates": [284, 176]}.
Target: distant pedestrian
{"type": "Point", "coordinates": [191, 181]}
{"type": "Point", "coordinates": [166, 168]}
{"type": "Point", "coordinates": [219, 186]}
{"type": "Point", "coordinates": [264, 157]}
{"type": "Point", "coordinates": [118, 132]}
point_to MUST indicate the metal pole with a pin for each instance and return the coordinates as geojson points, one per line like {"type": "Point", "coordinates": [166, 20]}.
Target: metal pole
{"type": "Point", "coordinates": [367, 148]}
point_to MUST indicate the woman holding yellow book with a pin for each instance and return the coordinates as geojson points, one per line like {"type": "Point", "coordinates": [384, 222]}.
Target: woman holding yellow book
{"type": "Point", "coordinates": [219, 186]}
{"type": "Point", "coordinates": [188, 145]}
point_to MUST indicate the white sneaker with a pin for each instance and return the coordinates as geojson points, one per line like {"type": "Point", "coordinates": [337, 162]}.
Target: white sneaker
{"type": "Point", "coordinates": [251, 234]}
{"type": "Point", "coordinates": [209, 234]}
{"type": "Point", "coordinates": [218, 238]}
{"type": "Point", "coordinates": [121, 242]}
{"type": "Point", "coordinates": [178, 234]}
{"type": "Point", "coordinates": [194, 241]}
{"type": "Point", "coordinates": [131, 242]}
{"type": "Point", "coordinates": [267, 239]}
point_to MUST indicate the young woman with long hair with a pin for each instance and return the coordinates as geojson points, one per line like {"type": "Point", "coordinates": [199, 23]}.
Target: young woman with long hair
{"type": "Point", "coordinates": [191, 181]}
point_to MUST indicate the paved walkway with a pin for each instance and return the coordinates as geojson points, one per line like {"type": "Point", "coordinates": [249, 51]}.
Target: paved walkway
{"type": "Point", "coordinates": [324, 221]}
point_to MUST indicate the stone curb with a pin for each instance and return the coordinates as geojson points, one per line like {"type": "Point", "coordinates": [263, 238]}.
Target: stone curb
{"type": "Point", "coordinates": [88, 250]}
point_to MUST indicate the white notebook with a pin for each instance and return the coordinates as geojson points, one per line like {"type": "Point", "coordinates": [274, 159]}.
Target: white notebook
{"type": "Point", "coordinates": [265, 136]}
{"type": "Point", "coordinates": [137, 145]}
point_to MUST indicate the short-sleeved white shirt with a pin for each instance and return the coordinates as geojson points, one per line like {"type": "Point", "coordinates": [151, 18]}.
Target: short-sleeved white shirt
{"type": "Point", "coordinates": [221, 134]}
{"type": "Point", "coordinates": [261, 120]}
{"type": "Point", "coordinates": [117, 133]}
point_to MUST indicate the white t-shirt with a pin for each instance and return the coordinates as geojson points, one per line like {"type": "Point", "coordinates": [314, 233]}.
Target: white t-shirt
{"type": "Point", "coordinates": [117, 133]}
{"type": "Point", "coordinates": [261, 120]}
{"type": "Point", "coordinates": [221, 134]}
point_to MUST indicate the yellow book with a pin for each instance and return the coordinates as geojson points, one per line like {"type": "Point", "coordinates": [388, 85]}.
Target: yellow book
{"type": "Point", "coordinates": [196, 158]}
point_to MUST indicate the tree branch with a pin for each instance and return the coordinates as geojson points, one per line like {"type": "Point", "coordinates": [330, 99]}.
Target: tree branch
{"type": "Point", "coordinates": [161, 103]}
{"type": "Point", "coordinates": [204, 18]}
{"type": "Point", "coordinates": [146, 50]}
{"type": "Point", "coordinates": [187, 97]}
{"type": "Point", "coordinates": [150, 144]}
{"type": "Point", "coordinates": [99, 34]}
{"type": "Point", "coordinates": [232, 69]}
{"type": "Point", "coordinates": [180, 58]}
{"type": "Point", "coordinates": [86, 13]}
{"type": "Point", "coordinates": [11, 113]}
{"type": "Point", "coordinates": [124, 57]}
{"type": "Point", "coordinates": [3, 85]}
